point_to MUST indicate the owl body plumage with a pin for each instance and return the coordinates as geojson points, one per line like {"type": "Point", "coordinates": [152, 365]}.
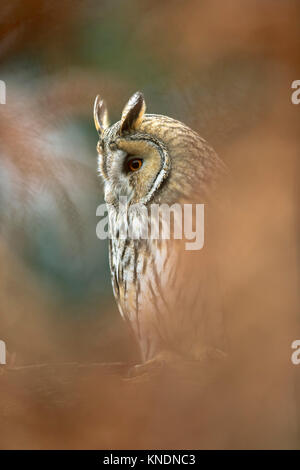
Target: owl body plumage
{"type": "Point", "coordinates": [165, 293]}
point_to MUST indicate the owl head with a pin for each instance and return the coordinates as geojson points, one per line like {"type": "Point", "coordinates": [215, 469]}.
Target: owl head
{"type": "Point", "coordinates": [150, 157]}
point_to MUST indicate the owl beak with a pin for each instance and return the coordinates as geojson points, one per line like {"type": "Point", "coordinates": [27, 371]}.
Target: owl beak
{"type": "Point", "coordinates": [100, 115]}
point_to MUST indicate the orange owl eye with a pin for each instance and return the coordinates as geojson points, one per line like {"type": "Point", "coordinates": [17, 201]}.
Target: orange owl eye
{"type": "Point", "coordinates": [134, 164]}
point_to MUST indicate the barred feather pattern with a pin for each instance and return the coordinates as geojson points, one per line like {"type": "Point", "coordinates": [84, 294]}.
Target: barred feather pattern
{"type": "Point", "coordinates": [165, 294]}
{"type": "Point", "coordinates": [168, 296]}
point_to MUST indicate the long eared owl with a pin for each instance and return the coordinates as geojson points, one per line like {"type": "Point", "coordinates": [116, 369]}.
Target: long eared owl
{"type": "Point", "coordinates": [170, 296]}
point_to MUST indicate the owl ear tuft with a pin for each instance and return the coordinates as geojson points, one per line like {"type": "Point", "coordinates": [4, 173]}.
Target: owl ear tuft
{"type": "Point", "coordinates": [133, 112]}
{"type": "Point", "coordinates": [100, 115]}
